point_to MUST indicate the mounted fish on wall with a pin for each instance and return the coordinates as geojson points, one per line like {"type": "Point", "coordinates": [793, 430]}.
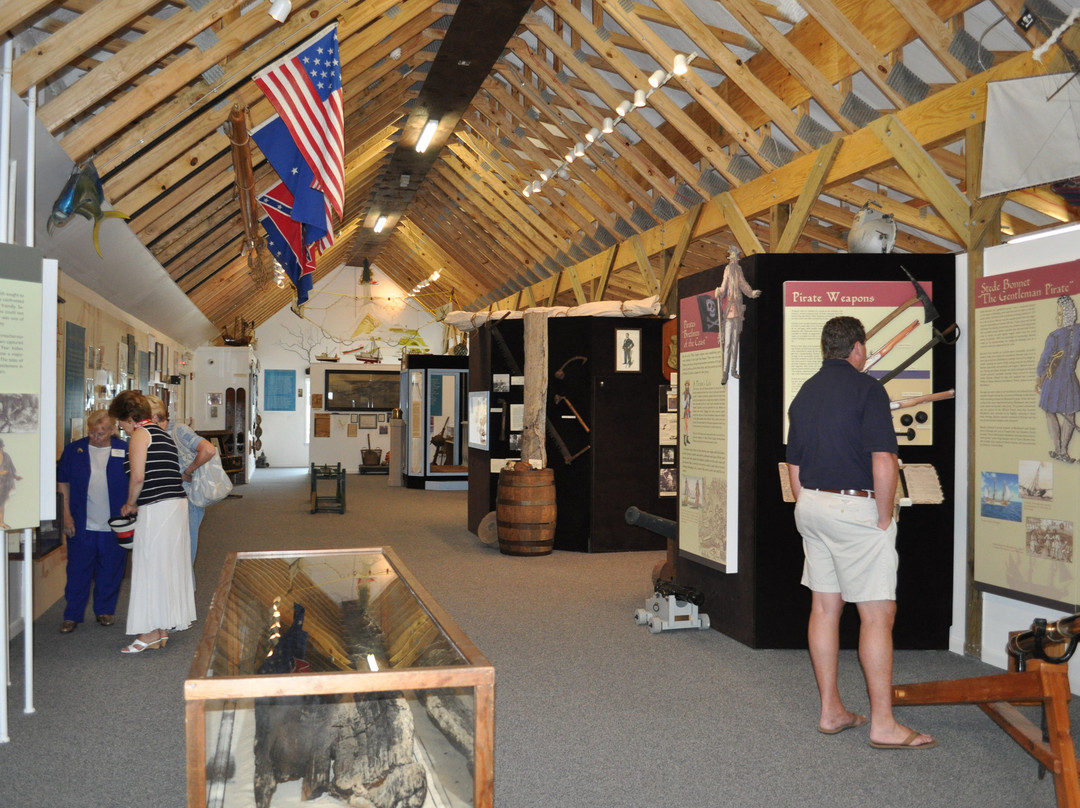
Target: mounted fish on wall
{"type": "Point", "coordinates": [82, 195]}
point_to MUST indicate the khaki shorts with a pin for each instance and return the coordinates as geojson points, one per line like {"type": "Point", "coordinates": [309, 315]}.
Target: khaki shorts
{"type": "Point", "coordinates": [845, 550]}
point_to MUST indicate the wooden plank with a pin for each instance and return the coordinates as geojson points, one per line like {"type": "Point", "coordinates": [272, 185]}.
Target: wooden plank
{"type": "Point", "coordinates": [740, 228]}
{"type": "Point", "coordinates": [605, 272]}
{"type": "Point", "coordinates": [140, 56]}
{"type": "Point", "coordinates": [856, 43]}
{"type": "Point", "coordinates": [933, 33]}
{"type": "Point", "coordinates": [733, 67]}
{"type": "Point", "coordinates": [671, 274]}
{"type": "Point", "coordinates": [815, 182]}
{"type": "Point", "coordinates": [76, 37]}
{"type": "Point", "coordinates": [648, 275]}
{"type": "Point", "coordinates": [733, 124]}
{"type": "Point", "coordinates": [579, 293]}
{"type": "Point", "coordinates": [920, 166]}
{"type": "Point", "coordinates": [704, 143]}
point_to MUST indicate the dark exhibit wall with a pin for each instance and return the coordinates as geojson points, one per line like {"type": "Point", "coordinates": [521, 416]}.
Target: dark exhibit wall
{"type": "Point", "coordinates": [607, 419]}
{"type": "Point", "coordinates": [763, 605]}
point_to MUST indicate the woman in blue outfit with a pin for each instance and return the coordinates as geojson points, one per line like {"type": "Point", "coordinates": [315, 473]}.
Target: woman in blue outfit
{"type": "Point", "coordinates": [91, 479]}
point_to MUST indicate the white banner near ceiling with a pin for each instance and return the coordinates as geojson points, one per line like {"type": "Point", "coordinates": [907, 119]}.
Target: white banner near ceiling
{"type": "Point", "coordinates": [1032, 132]}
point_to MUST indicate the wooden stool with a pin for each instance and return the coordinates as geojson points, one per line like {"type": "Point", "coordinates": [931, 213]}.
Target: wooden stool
{"type": "Point", "coordinates": [333, 503]}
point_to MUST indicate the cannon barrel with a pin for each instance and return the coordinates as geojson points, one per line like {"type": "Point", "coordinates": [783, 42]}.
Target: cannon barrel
{"type": "Point", "coordinates": [657, 524]}
{"type": "Point", "coordinates": [1063, 630]}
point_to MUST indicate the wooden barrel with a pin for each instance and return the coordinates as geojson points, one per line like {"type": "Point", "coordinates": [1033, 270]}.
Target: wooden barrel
{"type": "Point", "coordinates": [525, 511]}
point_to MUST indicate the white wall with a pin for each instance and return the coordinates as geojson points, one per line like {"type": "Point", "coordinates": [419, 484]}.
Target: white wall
{"type": "Point", "coordinates": [1000, 615]}
{"type": "Point", "coordinates": [336, 310]}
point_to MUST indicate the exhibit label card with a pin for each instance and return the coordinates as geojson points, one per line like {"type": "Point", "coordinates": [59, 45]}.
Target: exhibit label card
{"type": "Point", "coordinates": [1026, 397]}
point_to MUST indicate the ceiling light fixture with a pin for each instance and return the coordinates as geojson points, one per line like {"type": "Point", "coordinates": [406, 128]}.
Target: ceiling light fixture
{"type": "Point", "coordinates": [279, 10]}
{"type": "Point", "coordinates": [623, 108]}
{"type": "Point", "coordinates": [680, 65]}
{"type": "Point", "coordinates": [608, 127]}
{"type": "Point", "coordinates": [657, 78]}
{"type": "Point", "coordinates": [592, 134]}
{"type": "Point", "coordinates": [427, 135]}
{"type": "Point", "coordinates": [579, 149]}
{"type": "Point", "coordinates": [380, 223]}
{"type": "Point", "coordinates": [639, 98]}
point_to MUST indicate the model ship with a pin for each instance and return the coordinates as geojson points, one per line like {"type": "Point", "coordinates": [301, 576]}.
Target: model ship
{"type": "Point", "coordinates": [369, 354]}
{"type": "Point", "coordinates": [324, 357]}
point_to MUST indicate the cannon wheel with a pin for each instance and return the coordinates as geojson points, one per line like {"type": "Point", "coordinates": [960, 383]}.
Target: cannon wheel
{"type": "Point", "coordinates": [705, 621]}
{"type": "Point", "coordinates": [641, 617]}
{"type": "Point", "coordinates": [656, 625]}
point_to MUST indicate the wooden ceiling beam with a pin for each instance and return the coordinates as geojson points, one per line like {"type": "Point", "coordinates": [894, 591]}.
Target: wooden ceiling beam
{"type": "Point", "coordinates": [37, 64]}
{"type": "Point", "coordinates": [672, 158]}
{"type": "Point", "coordinates": [648, 173]}
{"type": "Point", "coordinates": [934, 34]}
{"type": "Point", "coordinates": [735, 69]}
{"type": "Point", "coordinates": [631, 73]}
{"type": "Point", "coordinates": [858, 44]}
{"type": "Point", "coordinates": [737, 128]}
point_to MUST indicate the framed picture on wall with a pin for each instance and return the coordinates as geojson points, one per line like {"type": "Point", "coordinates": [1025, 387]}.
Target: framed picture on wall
{"type": "Point", "coordinates": [479, 403]}
{"type": "Point", "coordinates": [628, 350]}
{"type": "Point", "coordinates": [368, 420]}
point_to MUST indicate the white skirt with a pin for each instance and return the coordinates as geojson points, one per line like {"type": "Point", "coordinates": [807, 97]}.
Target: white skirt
{"type": "Point", "coordinates": [162, 585]}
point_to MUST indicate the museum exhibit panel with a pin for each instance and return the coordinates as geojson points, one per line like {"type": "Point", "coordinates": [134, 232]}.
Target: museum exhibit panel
{"type": "Point", "coordinates": [434, 395]}
{"type": "Point", "coordinates": [604, 401]}
{"type": "Point", "coordinates": [780, 346]}
{"type": "Point", "coordinates": [334, 672]}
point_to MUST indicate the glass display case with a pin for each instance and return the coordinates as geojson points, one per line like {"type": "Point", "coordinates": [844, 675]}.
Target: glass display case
{"type": "Point", "coordinates": [435, 396]}
{"type": "Point", "coordinates": [332, 674]}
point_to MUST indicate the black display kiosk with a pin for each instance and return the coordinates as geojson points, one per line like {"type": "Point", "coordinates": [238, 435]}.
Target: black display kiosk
{"type": "Point", "coordinates": [615, 462]}
{"type": "Point", "coordinates": [763, 604]}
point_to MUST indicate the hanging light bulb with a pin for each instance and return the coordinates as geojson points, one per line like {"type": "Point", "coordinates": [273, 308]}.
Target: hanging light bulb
{"type": "Point", "coordinates": [608, 127]}
{"type": "Point", "coordinates": [592, 134]}
{"type": "Point", "coordinates": [657, 78]}
{"type": "Point", "coordinates": [680, 65]}
{"type": "Point", "coordinates": [623, 108]}
{"type": "Point", "coordinates": [639, 98]}
{"type": "Point", "coordinates": [579, 149]}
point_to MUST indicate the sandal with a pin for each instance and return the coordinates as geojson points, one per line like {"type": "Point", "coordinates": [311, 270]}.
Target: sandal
{"type": "Point", "coordinates": [138, 646]}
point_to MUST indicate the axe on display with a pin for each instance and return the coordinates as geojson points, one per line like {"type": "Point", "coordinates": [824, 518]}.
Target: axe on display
{"type": "Point", "coordinates": [947, 336]}
{"type": "Point", "coordinates": [929, 311]}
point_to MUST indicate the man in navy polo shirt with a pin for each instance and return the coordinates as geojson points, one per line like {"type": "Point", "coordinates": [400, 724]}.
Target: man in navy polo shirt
{"type": "Point", "coordinates": [843, 468]}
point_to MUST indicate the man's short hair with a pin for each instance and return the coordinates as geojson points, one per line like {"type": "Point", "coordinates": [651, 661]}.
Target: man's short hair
{"type": "Point", "coordinates": [839, 336]}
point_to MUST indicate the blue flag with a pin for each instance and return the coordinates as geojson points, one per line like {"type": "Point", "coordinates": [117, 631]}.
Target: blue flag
{"type": "Point", "coordinates": [309, 204]}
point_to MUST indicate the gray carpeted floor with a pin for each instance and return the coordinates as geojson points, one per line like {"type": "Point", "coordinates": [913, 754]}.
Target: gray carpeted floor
{"type": "Point", "coordinates": [591, 709]}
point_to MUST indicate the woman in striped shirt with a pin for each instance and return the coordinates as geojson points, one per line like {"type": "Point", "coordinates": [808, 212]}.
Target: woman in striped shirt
{"type": "Point", "coordinates": [162, 588]}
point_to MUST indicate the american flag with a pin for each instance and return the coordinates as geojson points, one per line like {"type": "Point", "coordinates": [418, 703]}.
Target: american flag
{"type": "Point", "coordinates": [284, 237]}
{"type": "Point", "coordinates": [305, 89]}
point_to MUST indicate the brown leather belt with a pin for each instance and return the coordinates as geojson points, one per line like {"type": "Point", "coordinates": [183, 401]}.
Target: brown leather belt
{"type": "Point", "coordinates": [848, 492]}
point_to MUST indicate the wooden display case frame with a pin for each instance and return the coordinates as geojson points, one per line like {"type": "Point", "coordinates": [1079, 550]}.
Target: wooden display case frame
{"type": "Point", "coordinates": [201, 687]}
